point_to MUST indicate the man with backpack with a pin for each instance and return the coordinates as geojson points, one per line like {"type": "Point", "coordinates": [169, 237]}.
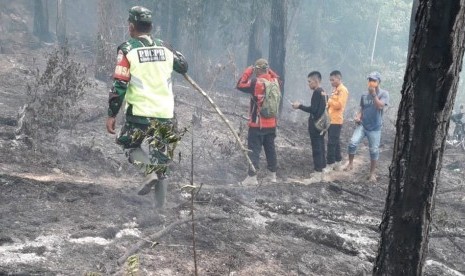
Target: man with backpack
{"type": "Point", "coordinates": [263, 86]}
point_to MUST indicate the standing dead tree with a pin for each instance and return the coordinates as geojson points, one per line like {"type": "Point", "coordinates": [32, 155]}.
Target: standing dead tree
{"type": "Point", "coordinates": [256, 34]}
{"type": "Point", "coordinates": [61, 21]}
{"type": "Point", "coordinates": [277, 52]}
{"type": "Point", "coordinates": [41, 28]}
{"type": "Point", "coordinates": [428, 94]}
{"type": "Point", "coordinates": [105, 48]}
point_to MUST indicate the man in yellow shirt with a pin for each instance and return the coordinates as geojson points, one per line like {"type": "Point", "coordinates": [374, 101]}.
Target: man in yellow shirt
{"type": "Point", "coordinates": [336, 105]}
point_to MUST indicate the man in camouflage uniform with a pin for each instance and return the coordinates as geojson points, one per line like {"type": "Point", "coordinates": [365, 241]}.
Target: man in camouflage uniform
{"type": "Point", "coordinates": [143, 77]}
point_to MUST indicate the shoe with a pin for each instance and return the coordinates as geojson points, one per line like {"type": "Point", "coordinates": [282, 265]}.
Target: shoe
{"type": "Point", "coordinates": [314, 178]}
{"type": "Point", "coordinates": [328, 168]}
{"type": "Point", "coordinates": [271, 177]}
{"type": "Point", "coordinates": [337, 166]}
{"type": "Point", "coordinates": [250, 181]}
{"type": "Point", "coordinates": [149, 182]}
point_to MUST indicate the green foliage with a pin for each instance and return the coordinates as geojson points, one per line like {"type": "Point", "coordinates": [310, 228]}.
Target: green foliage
{"type": "Point", "coordinates": [132, 265]}
{"type": "Point", "coordinates": [53, 97]}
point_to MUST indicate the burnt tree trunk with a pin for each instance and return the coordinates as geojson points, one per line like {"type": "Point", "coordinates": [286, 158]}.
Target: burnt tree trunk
{"type": "Point", "coordinates": [278, 27]}
{"type": "Point", "coordinates": [428, 94]}
{"type": "Point", "coordinates": [61, 21]}
{"type": "Point", "coordinates": [256, 34]}
{"type": "Point", "coordinates": [40, 28]}
{"type": "Point", "coordinates": [413, 24]}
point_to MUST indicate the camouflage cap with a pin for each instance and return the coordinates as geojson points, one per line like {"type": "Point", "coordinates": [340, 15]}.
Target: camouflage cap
{"type": "Point", "coordinates": [374, 76]}
{"type": "Point", "coordinates": [140, 14]}
{"type": "Point", "coordinates": [261, 63]}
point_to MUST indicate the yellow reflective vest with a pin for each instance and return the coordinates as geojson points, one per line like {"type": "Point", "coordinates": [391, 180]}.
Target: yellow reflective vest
{"type": "Point", "coordinates": [150, 87]}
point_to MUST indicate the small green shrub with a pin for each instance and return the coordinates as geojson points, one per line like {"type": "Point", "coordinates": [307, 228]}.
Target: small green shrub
{"type": "Point", "coordinates": [52, 98]}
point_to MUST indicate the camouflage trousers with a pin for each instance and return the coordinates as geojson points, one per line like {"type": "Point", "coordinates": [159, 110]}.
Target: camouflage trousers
{"type": "Point", "coordinates": [150, 146]}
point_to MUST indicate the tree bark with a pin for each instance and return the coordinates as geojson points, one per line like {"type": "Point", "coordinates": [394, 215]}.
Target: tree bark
{"type": "Point", "coordinates": [105, 51]}
{"type": "Point", "coordinates": [428, 94]}
{"type": "Point", "coordinates": [256, 34]}
{"type": "Point", "coordinates": [196, 36]}
{"type": "Point", "coordinates": [278, 27]}
{"type": "Point", "coordinates": [61, 21]}
{"type": "Point", "coordinates": [413, 24]}
{"type": "Point", "coordinates": [40, 28]}
{"type": "Point", "coordinates": [174, 15]}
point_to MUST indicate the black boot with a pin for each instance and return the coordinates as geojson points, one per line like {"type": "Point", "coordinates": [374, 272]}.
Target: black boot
{"type": "Point", "coordinates": [149, 182]}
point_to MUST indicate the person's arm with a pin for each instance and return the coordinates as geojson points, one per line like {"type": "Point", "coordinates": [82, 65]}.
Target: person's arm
{"type": "Point", "coordinates": [179, 63]}
{"type": "Point", "coordinates": [314, 105]}
{"type": "Point", "coordinates": [246, 83]}
{"type": "Point", "coordinates": [318, 102]}
{"type": "Point", "coordinates": [121, 78]}
{"type": "Point", "coordinates": [359, 114]}
{"type": "Point", "coordinates": [380, 101]}
{"type": "Point", "coordinates": [305, 108]}
{"type": "Point", "coordinates": [338, 100]}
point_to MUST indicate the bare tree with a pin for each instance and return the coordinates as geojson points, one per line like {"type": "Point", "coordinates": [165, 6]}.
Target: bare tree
{"type": "Point", "coordinates": [196, 35]}
{"type": "Point", "coordinates": [40, 28]}
{"type": "Point", "coordinates": [105, 49]}
{"type": "Point", "coordinates": [61, 21]}
{"type": "Point", "coordinates": [256, 34]}
{"type": "Point", "coordinates": [428, 94]}
{"type": "Point", "coordinates": [278, 27]}
{"type": "Point", "coordinates": [413, 24]}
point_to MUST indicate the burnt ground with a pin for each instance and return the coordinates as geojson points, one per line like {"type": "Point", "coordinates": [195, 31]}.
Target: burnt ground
{"type": "Point", "coordinates": [74, 210]}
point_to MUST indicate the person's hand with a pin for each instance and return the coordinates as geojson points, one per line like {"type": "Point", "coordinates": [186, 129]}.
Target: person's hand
{"type": "Point", "coordinates": [111, 122]}
{"type": "Point", "coordinates": [358, 117]}
{"type": "Point", "coordinates": [295, 105]}
{"type": "Point", "coordinates": [372, 91]}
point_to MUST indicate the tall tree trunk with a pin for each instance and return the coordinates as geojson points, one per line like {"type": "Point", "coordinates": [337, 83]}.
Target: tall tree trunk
{"type": "Point", "coordinates": [256, 34]}
{"type": "Point", "coordinates": [413, 24]}
{"type": "Point", "coordinates": [61, 21]}
{"type": "Point", "coordinates": [105, 50]}
{"type": "Point", "coordinates": [278, 27]}
{"type": "Point", "coordinates": [40, 28]}
{"type": "Point", "coordinates": [196, 14]}
{"type": "Point", "coordinates": [428, 94]}
{"type": "Point", "coordinates": [173, 25]}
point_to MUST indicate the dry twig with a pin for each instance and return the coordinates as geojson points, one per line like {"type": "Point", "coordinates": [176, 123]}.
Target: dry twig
{"type": "Point", "coordinates": [161, 233]}
{"type": "Point", "coordinates": [244, 150]}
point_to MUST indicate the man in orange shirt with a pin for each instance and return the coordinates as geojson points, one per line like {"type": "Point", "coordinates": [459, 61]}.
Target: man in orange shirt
{"type": "Point", "coordinates": [336, 105]}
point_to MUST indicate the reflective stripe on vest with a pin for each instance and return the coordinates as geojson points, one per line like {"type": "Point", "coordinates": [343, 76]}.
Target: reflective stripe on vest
{"type": "Point", "coordinates": [150, 90]}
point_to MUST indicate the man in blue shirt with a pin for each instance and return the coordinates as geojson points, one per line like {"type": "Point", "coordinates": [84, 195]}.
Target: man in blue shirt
{"type": "Point", "coordinates": [370, 121]}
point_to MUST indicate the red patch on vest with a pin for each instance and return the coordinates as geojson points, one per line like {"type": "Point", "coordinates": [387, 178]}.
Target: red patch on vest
{"type": "Point", "coordinates": [122, 67]}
